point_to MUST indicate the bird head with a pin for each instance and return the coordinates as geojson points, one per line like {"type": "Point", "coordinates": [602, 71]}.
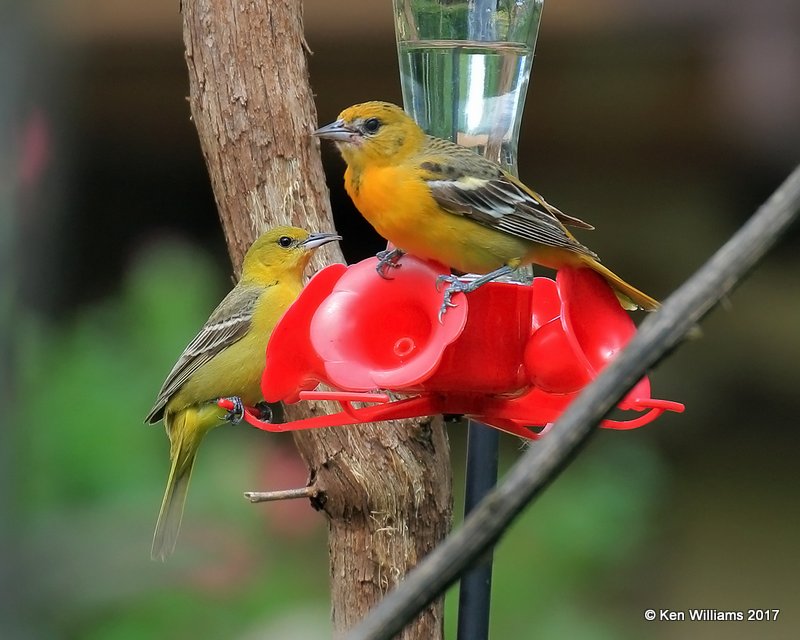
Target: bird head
{"type": "Point", "coordinates": [374, 132]}
{"type": "Point", "coordinates": [283, 250]}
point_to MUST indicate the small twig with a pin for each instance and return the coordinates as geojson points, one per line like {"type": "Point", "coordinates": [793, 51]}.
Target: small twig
{"type": "Point", "coordinates": [658, 335]}
{"type": "Point", "coordinates": [306, 47]}
{"type": "Point", "coordinates": [286, 494]}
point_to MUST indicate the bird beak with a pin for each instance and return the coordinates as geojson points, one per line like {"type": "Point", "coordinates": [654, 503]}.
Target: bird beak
{"type": "Point", "coordinates": [318, 239]}
{"type": "Point", "coordinates": [337, 131]}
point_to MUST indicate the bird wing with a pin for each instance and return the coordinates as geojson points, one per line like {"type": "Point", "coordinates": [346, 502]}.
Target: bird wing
{"type": "Point", "coordinates": [228, 323]}
{"type": "Point", "coordinates": [464, 183]}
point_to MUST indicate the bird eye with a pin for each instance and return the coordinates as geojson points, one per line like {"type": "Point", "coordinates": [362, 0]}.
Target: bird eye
{"type": "Point", "coordinates": [372, 125]}
{"type": "Point", "coordinates": [285, 241]}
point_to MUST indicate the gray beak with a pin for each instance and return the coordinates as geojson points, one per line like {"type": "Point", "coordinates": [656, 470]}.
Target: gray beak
{"type": "Point", "coordinates": [318, 239]}
{"type": "Point", "coordinates": [337, 131]}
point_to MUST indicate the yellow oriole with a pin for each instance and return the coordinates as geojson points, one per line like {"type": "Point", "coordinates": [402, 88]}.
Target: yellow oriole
{"type": "Point", "coordinates": [226, 360]}
{"type": "Point", "coordinates": [438, 200]}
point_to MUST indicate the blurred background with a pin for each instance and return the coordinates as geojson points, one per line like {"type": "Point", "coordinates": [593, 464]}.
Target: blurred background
{"type": "Point", "coordinates": [664, 123]}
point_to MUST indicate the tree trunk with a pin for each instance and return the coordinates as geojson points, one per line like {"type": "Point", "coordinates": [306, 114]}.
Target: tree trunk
{"type": "Point", "coordinates": [386, 489]}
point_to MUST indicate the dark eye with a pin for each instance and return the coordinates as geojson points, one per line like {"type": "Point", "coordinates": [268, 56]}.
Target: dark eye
{"type": "Point", "coordinates": [285, 241]}
{"type": "Point", "coordinates": [372, 125]}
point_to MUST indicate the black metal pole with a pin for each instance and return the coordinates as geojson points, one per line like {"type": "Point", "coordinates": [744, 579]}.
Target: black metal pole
{"type": "Point", "coordinates": [474, 599]}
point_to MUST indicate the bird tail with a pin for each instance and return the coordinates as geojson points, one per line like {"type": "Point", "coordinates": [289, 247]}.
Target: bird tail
{"type": "Point", "coordinates": [630, 297]}
{"type": "Point", "coordinates": [183, 453]}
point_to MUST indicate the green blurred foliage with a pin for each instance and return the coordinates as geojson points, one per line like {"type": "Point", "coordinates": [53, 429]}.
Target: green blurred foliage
{"type": "Point", "coordinates": [100, 370]}
{"type": "Point", "coordinates": [90, 474]}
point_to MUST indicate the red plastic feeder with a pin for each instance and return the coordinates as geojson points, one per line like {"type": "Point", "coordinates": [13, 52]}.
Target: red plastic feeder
{"type": "Point", "coordinates": [509, 355]}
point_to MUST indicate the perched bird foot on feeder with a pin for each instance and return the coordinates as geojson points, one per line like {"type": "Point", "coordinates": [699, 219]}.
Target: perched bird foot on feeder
{"type": "Point", "coordinates": [263, 411]}
{"type": "Point", "coordinates": [457, 285]}
{"type": "Point", "coordinates": [235, 414]}
{"type": "Point", "coordinates": [388, 260]}
{"type": "Point", "coordinates": [454, 285]}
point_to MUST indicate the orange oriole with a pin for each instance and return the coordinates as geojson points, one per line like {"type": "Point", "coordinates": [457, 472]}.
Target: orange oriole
{"type": "Point", "coordinates": [226, 359]}
{"type": "Point", "coordinates": [437, 200]}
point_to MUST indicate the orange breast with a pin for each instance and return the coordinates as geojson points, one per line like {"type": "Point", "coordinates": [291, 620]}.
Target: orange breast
{"type": "Point", "coordinates": [398, 204]}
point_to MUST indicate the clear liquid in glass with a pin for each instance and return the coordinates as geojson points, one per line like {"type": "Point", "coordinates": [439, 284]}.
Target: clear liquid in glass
{"type": "Point", "coordinates": [469, 92]}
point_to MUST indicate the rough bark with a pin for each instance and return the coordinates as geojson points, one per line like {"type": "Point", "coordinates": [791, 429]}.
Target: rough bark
{"type": "Point", "coordinates": [386, 489]}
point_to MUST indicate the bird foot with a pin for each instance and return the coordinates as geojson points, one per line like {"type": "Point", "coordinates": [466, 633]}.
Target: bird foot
{"type": "Point", "coordinates": [235, 414]}
{"type": "Point", "coordinates": [388, 260]}
{"type": "Point", "coordinates": [454, 286]}
{"type": "Point", "coordinates": [263, 411]}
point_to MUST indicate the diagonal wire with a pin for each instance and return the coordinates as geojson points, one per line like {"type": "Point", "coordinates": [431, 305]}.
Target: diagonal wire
{"type": "Point", "coordinates": [659, 334]}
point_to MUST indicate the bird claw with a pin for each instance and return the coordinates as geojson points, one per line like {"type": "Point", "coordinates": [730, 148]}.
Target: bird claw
{"type": "Point", "coordinates": [263, 411]}
{"type": "Point", "coordinates": [388, 259]}
{"type": "Point", "coordinates": [236, 414]}
{"type": "Point", "coordinates": [449, 279]}
{"type": "Point", "coordinates": [454, 286]}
